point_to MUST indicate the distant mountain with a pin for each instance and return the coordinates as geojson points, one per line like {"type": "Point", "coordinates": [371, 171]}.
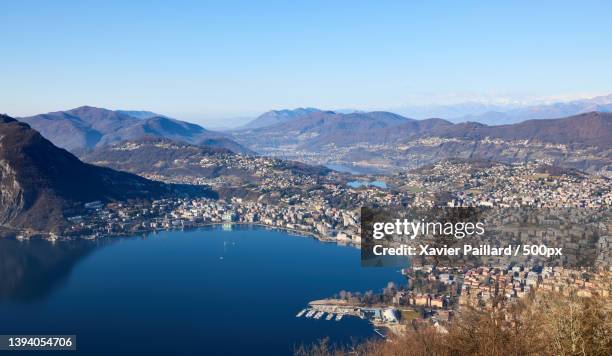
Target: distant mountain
{"type": "Point", "coordinates": [321, 128]}
{"type": "Point", "coordinates": [40, 183]}
{"type": "Point", "coordinates": [451, 112]}
{"type": "Point", "coordinates": [589, 129]}
{"type": "Point", "coordinates": [82, 127]}
{"type": "Point", "coordinates": [502, 114]}
{"type": "Point", "coordinates": [548, 111]}
{"type": "Point", "coordinates": [159, 126]}
{"type": "Point", "coordinates": [385, 142]}
{"type": "Point", "coordinates": [579, 142]}
{"type": "Point", "coordinates": [226, 143]}
{"type": "Point", "coordinates": [161, 156]}
{"type": "Point", "coordinates": [488, 118]}
{"type": "Point", "coordinates": [139, 114]}
{"type": "Point", "coordinates": [231, 175]}
{"type": "Point", "coordinates": [280, 116]}
{"type": "Point", "coordinates": [170, 158]}
{"type": "Point", "coordinates": [87, 127]}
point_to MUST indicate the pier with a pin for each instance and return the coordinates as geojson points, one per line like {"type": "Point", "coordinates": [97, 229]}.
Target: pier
{"type": "Point", "coordinates": [339, 308]}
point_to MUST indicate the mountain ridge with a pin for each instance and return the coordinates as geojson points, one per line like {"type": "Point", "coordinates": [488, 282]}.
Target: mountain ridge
{"type": "Point", "coordinates": [385, 142]}
{"type": "Point", "coordinates": [86, 127]}
{"type": "Point", "coordinates": [274, 117]}
{"type": "Point", "coordinates": [379, 127]}
{"type": "Point", "coordinates": [321, 126]}
{"type": "Point", "coordinates": [41, 183]}
{"type": "Point", "coordinates": [539, 112]}
{"type": "Point", "coordinates": [591, 129]}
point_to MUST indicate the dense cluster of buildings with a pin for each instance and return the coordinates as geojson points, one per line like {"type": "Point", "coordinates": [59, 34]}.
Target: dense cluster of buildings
{"type": "Point", "coordinates": [328, 208]}
{"type": "Point", "coordinates": [434, 294]}
{"type": "Point", "coordinates": [501, 185]}
{"type": "Point", "coordinates": [120, 219]}
{"type": "Point", "coordinates": [485, 286]}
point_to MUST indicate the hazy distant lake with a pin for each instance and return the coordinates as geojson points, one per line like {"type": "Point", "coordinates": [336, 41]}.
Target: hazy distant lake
{"type": "Point", "coordinates": [207, 291]}
{"type": "Point", "coordinates": [363, 183]}
{"type": "Point", "coordinates": [352, 169]}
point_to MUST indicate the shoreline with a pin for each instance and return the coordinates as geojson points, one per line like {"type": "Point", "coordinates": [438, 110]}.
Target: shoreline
{"type": "Point", "coordinates": [48, 236]}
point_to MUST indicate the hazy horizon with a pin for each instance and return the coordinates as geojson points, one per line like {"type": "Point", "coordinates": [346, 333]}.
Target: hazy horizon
{"type": "Point", "coordinates": [216, 63]}
{"type": "Point", "coordinates": [469, 107]}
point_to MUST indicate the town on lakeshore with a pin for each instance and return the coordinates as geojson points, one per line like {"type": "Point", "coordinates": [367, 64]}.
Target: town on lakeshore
{"type": "Point", "coordinates": [313, 178]}
{"type": "Point", "coordinates": [432, 294]}
{"type": "Point", "coordinates": [123, 185]}
{"type": "Point", "coordinates": [328, 208]}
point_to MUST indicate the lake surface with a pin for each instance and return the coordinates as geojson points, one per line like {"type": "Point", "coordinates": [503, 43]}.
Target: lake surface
{"type": "Point", "coordinates": [363, 183]}
{"type": "Point", "coordinates": [207, 291]}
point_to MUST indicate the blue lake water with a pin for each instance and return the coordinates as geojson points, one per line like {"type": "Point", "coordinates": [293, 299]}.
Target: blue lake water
{"type": "Point", "coordinates": [207, 291]}
{"type": "Point", "coordinates": [361, 183]}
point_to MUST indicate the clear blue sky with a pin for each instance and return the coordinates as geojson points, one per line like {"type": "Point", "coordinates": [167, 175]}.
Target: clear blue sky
{"type": "Point", "coordinates": [201, 61]}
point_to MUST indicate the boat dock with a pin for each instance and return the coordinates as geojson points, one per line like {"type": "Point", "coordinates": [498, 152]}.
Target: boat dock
{"type": "Point", "coordinates": [330, 312]}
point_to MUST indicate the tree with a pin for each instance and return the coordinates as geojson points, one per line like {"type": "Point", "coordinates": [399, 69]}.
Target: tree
{"type": "Point", "coordinates": [547, 324]}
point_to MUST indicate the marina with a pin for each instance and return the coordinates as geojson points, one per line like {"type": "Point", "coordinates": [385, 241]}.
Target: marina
{"type": "Point", "coordinates": [318, 314]}
{"type": "Point", "coordinates": [335, 310]}
{"type": "Point", "coordinates": [339, 308]}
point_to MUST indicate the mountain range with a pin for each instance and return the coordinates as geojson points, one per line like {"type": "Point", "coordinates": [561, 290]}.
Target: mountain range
{"type": "Point", "coordinates": [321, 129]}
{"type": "Point", "coordinates": [486, 113]}
{"type": "Point", "coordinates": [86, 127]}
{"type": "Point", "coordinates": [170, 158]}
{"type": "Point", "coordinates": [229, 174]}
{"type": "Point", "coordinates": [383, 142]}
{"type": "Point", "coordinates": [160, 156]}
{"type": "Point", "coordinates": [274, 117]}
{"type": "Point", "coordinates": [500, 114]}
{"type": "Point", "coordinates": [41, 184]}
{"type": "Point", "coordinates": [588, 129]}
